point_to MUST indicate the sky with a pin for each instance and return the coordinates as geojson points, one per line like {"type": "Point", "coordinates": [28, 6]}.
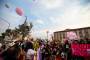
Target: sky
{"type": "Point", "coordinates": [46, 15]}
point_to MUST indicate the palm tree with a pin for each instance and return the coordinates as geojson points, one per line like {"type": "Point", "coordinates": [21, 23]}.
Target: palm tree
{"type": "Point", "coordinates": [24, 29]}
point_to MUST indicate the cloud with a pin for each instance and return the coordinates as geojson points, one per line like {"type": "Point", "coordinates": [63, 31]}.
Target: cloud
{"type": "Point", "coordinates": [40, 33]}
{"type": "Point", "coordinates": [39, 21]}
{"type": "Point", "coordinates": [54, 15]}
{"type": "Point", "coordinates": [73, 16]}
{"type": "Point", "coordinates": [77, 16]}
{"type": "Point", "coordinates": [50, 4]}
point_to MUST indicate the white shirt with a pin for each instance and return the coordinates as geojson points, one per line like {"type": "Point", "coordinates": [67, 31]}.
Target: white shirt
{"type": "Point", "coordinates": [30, 53]}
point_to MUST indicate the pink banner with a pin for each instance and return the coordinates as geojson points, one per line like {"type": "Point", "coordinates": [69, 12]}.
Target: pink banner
{"type": "Point", "coordinates": [81, 49]}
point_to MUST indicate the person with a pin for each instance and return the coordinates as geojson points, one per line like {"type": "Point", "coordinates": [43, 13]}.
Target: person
{"type": "Point", "coordinates": [47, 52]}
{"type": "Point", "coordinates": [62, 55]}
{"type": "Point", "coordinates": [39, 52]}
{"type": "Point", "coordinates": [29, 50]}
{"type": "Point", "coordinates": [67, 50]}
{"type": "Point", "coordinates": [87, 40]}
{"type": "Point", "coordinates": [81, 41]}
{"type": "Point", "coordinates": [28, 45]}
{"type": "Point", "coordinates": [1, 49]}
{"type": "Point", "coordinates": [21, 54]}
{"type": "Point", "coordinates": [30, 54]}
{"type": "Point", "coordinates": [58, 57]}
{"type": "Point", "coordinates": [11, 53]}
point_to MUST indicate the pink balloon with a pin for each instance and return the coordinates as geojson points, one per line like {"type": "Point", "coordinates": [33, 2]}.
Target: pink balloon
{"type": "Point", "coordinates": [19, 11]}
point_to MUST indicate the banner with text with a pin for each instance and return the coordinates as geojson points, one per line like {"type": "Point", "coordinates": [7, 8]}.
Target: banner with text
{"type": "Point", "coordinates": [81, 50]}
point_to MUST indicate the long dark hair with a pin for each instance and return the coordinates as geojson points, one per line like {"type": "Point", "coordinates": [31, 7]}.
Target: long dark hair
{"type": "Point", "coordinates": [11, 53]}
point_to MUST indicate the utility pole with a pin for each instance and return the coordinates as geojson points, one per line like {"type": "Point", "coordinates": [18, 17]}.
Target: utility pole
{"type": "Point", "coordinates": [47, 34]}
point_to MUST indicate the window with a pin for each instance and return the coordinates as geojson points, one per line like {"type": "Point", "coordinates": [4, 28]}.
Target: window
{"type": "Point", "coordinates": [63, 34]}
{"type": "Point", "coordinates": [86, 33]}
{"type": "Point", "coordinates": [60, 36]}
{"type": "Point", "coordinates": [80, 33]}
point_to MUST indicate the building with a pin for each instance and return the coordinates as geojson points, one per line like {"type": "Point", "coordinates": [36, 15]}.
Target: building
{"type": "Point", "coordinates": [81, 32]}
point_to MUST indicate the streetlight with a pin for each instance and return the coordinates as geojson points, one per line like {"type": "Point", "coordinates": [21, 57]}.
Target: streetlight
{"type": "Point", "coordinates": [7, 6]}
{"type": "Point", "coordinates": [6, 22]}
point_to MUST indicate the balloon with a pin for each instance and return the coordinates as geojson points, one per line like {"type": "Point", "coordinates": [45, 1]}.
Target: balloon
{"type": "Point", "coordinates": [7, 6]}
{"type": "Point", "coordinates": [19, 11]}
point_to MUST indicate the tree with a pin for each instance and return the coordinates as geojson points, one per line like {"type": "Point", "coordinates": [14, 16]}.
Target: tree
{"type": "Point", "coordinates": [8, 32]}
{"type": "Point", "coordinates": [3, 35]}
{"type": "Point", "coordinates": [24, 29]}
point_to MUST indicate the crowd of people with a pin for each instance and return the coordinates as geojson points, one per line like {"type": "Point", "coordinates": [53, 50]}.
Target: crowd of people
{"type": "Point", "coordinates": [38, 50]}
